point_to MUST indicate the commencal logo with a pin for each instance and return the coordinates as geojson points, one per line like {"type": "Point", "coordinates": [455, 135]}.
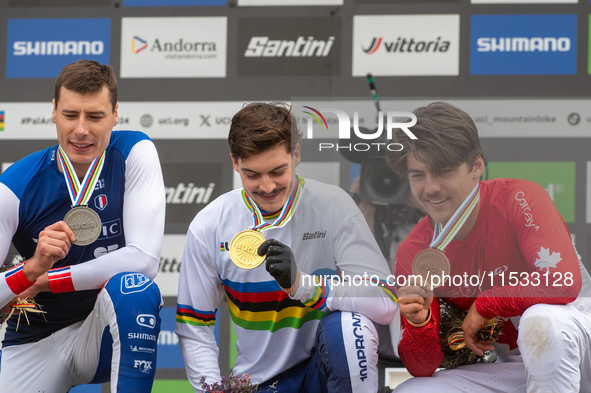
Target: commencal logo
{"type": "Point", "coordinates": [138, 45]}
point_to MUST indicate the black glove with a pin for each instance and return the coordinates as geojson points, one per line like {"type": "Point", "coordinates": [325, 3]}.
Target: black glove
{"type": "Point", "coordinates": [280, 262]}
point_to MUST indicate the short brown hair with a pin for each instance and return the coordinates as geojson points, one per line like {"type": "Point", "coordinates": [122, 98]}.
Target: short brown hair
{"type": "Point", "coordinates": [446, 138]}
{"type": "Point", "coordinates": [260, 126]}
{"type": "Point", "coordinates": [87, 77]}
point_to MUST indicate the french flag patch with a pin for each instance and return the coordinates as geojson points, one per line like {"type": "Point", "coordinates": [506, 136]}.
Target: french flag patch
{"type": "Point", "coordinates": [100, 201]}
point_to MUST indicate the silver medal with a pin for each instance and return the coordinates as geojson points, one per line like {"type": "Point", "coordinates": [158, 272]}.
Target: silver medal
{"type": "Point", "coordinates": [85, 224]}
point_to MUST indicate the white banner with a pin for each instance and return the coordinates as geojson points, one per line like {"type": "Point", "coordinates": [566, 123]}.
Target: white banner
{"type": "Point", "coordinates": [392, 45]}
{"type": "Point", "coordinates": [183, 47]}
{"type": "Point", "coordinates": [495, 118]}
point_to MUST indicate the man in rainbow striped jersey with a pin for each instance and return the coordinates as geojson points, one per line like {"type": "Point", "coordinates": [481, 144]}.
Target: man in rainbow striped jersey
{"type": "Point", "coordinates": [76, 212]}
{"type": "Point", "coordinates": [302, 301]}
{"type": "Point", "coordinates": [504, 252]}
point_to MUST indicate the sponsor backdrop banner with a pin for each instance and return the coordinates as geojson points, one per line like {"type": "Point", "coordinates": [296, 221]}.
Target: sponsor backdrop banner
{"type": "Point", "coordinates": [288, 2]}
{"type": "Point", "coordinates": [523, 1]}
{"type": "Point", "coordinates": [557, 178]}
{"type": "Point", "coordinates": [289, 46]}
{"type": "Point", "coordinates": [392, 45]}
{"type": "Point", "coordinates": [40, 48]}
{"type": "Point", "coordinates": [189, 187]}
{"type": "Point", "coordinates": [495, 118]}
{"type": "Point", "coordinates": [59, 3]}
{"type": "Point", "coordinates": [170, 264]}
{"type": "Point", "coordinates": [173, 47]}
{"type": "Point", "coordinates": [523, 45]}
{"type": "Point", "coordinates": [171, 3]}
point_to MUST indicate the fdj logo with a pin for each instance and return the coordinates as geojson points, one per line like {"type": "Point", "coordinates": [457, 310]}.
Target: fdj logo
{"type": "Point", "coordinates": [392, 123]}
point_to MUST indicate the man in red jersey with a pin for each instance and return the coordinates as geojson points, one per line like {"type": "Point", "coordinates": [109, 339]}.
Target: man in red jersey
{"type": "Point", "coordinates": [510, 256]}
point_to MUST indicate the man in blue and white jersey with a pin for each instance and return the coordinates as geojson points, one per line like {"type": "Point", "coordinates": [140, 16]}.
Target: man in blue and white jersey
{"type": "Point", "coordinates": [77, 213]}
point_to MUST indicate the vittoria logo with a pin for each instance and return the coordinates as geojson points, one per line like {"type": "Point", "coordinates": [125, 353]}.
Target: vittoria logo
{"type": "Point", "coordinates": [407, 45]}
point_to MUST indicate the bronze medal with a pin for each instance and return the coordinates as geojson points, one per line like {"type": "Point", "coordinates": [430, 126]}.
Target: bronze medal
{"type": "Point", "coordinates": [85, 223]}
{"type": "Point", "coordinates": [244, 247]}
{"type": "Point", "coordinates": [431, 262]}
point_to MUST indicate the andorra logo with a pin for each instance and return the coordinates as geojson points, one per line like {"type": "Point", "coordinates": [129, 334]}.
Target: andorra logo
{"type": "Point", "coordinates": [546, 259]}
{"type": "Point", "coordinates": [138, 45]}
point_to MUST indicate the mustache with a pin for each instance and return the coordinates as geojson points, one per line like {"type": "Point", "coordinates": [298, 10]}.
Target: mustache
{"type": "Point", "coordinates": [263, 194]}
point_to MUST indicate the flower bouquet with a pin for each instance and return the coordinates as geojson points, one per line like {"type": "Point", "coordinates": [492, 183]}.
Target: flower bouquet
{"type": "Point", "coordinates": [451, 337]}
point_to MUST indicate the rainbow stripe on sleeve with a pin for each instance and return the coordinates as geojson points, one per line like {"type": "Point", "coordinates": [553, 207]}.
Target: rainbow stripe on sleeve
{"type": "Point", "coordinates": [264, 306]}
{"type": "Point", "coordinates": [192, 316]}
{"type": "Point", "coordinates": [318, 299]}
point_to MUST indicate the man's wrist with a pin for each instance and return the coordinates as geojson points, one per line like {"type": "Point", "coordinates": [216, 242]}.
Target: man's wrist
{"type": "Point", "coordinates": [17, 280]}
{"type": "Point", "coordinates": [418, 325]}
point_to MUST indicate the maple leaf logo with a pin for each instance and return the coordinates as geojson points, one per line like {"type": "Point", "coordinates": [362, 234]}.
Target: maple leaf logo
{"type": "Point", "coordinates": [546, 259]}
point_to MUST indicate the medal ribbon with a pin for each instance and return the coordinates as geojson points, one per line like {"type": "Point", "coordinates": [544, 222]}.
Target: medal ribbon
{"type": "Point", "coordinates": [80, 192]}
{"type": "Point", "coordinates": [286, 213]}
{"type": "Point", "coordinates": [442, 236]}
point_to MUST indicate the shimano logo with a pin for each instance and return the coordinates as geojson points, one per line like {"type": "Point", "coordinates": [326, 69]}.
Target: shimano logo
{"type": "Point", "coordinates": [47, 48]}
{"type": "Point", "coordinates": [301, 47]}
{"type": "Point", "coordinates": [523, 44]}
{"type": "Point", "coordinates": [360, 346]}
{"type": "Point", "coordinates": [182, 194]}
{"type": "Point", "coordinates": [147, 320]}
{"type": "Point", "coordinates": [315, 235]}
{"type": "Point", "coordinates": [142, 336]}
{"type": "Point", "coordinates": [144, 366]}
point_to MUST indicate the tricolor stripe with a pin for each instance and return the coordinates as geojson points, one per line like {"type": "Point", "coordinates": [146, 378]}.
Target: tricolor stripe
{"type": "Point", "coordinates": [192, 316]}
{"type": "Point", "coordinates": [60, 280]}
{"type": "Point", "coordinates": [16, 279]}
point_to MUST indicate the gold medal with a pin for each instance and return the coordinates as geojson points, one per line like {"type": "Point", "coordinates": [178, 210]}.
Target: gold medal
{"type": "Point", "coordinates": [431, 262]}
{"type": "Point", "coordinates": [244, 247]}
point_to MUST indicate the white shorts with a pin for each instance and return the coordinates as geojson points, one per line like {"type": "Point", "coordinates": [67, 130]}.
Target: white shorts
{"type": "Point", "coordinates": [555, 345]}
{"type": "Point", "coordinates": [116, 342]}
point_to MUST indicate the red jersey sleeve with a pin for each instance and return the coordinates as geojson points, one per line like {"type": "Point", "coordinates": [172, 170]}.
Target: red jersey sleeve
{"type": "Point", "coordinates": [545, 242]}
{"type": "Point", "coordinates": [419, 347]}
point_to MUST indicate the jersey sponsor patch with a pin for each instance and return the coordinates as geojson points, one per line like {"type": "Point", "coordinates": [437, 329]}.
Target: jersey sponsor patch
{"type": "Point", "coordinates": [147, 320]}
{"type": "Point", "coordinates": [134, 282]}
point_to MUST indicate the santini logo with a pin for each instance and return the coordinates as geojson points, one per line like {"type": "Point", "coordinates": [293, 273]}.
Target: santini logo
{"type": "Point", "coordinates": [407, 45]}
{"type": "Point", "coordinates": [523, 44]}
{"type": "Point", "coordinates": [302, 47]}
{"type": "Point", "coordinates": [182, 194]}
{"type": "Point", "coordinates": [27, 48]}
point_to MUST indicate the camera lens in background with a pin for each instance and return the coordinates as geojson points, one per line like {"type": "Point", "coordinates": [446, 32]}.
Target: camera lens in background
{"type": "Point", "coordinates": [384, 181]}
{"type": "Point", "coordinates": [380, 185]}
